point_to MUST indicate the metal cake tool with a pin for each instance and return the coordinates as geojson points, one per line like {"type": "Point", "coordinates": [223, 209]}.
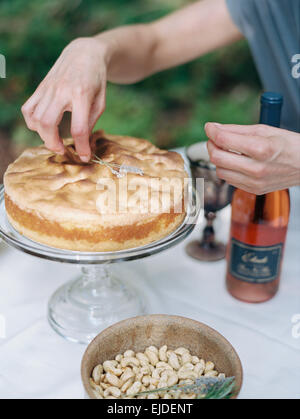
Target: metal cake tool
{"type": "Point", "coordinates": [120, 170]}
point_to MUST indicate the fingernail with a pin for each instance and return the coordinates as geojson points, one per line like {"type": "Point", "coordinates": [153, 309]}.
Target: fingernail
{"type": "Point", "coordinates": [85, 159]}
{"type": "Point", "coordinates": [216, 124]}
{"type": "Point", "coordinates": [61, 152]}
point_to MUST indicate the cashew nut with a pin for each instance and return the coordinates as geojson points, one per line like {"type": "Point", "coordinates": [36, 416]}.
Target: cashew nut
{"type": "Point", "coordinates": [134, 389]}
{"type": "Point", "coordinates": [130, 361]}
{"type": "Point", "coordinates": [162, 353]}
{"type": "Point", "coordinates": [199, 369]}
{"type": "Point", "coordinates": [129, 354]}
{"type": "Point", "coordinates": [127, 374]}
{"type": "Point", "coordinates": [209, 366]}
{"type": "Point", "coordinates": [211, 373]}
{"type": "Point", "coordinates": [118, 357]}
{"type": "Point", "coordinates": [152, 356]}
{"type": "Point", "coordinates": [173, 361]}
{"type": "Point", "coordinates": [97, 373]}
{"type": "Point", "coordinates": [181, 351]}
{"type": "Point", "coordinates": [126, 385]}
{"type": "Point", "coordinates": [113, 380]}
{"type": "Point", "coordinates": [170, 377]}
{"type": "Point", "coordinates": [144, 360]}
{"type": "Point", "coordinates": [110, 366]}
{"type": "Point", "coordinates": [186, 358]}
{"type": "Point", "coordinates": [164, 365]}
{"type": "Point", "coordinates": [146, 380]}
{"type": "Point", "coordinates": [195, 360]}
{"type": "Point", "coordinates": [112, 391]}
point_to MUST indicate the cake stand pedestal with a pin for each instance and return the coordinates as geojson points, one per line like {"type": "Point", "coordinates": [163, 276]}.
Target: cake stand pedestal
{"type": "Point", "coordinates": [83, 307]}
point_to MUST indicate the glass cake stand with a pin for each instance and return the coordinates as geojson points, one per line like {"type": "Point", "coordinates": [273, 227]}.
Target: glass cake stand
{"type": "Point", "coordinates": [81, 308]}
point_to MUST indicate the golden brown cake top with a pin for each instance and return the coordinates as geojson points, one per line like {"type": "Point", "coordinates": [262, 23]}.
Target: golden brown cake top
{"type": "Point", "coordinates": [63, 189]}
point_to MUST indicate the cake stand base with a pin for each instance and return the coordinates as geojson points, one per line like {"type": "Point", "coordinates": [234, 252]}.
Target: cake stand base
{"type": "Point", "coordinates": [80, 309]}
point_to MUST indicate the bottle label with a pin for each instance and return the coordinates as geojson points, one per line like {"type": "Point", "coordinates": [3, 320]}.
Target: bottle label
{"type": "Point", "coordinates": [255, 264]}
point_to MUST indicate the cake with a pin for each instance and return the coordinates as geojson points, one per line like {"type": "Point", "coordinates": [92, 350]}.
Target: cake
{"type": "Point", "coordinates": [130, 194]}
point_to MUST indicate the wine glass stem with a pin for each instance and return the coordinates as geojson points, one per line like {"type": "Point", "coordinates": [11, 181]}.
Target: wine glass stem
{"type": "Point", "coordinates": [208, 232]}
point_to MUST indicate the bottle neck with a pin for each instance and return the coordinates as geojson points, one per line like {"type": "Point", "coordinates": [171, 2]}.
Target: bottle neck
{"type": "Point", "coordinates": [270, 115]}
{"type": "Point", "coordinates": [270, 111]}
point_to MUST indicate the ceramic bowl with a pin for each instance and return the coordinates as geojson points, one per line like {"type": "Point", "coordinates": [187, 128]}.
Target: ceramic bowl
{"type": "Point", "coordinates": [139, 332]}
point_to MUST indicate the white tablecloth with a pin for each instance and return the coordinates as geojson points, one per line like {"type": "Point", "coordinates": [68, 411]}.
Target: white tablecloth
{"type": "Point", "coordinates": [37, 363]}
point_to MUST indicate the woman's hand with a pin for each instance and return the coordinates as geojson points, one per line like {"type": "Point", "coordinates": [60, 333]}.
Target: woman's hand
{"type": "Point", "coordinates": [76, 83]}
{"type": "Point", "coordinates": [256, 158]}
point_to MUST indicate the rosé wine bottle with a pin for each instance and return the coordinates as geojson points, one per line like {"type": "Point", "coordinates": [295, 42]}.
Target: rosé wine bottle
{"type": "Point", "coordinates": [258, 231]}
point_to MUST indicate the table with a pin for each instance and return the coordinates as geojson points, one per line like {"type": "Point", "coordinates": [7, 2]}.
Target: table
{"type": "Point", "coordinates": [36, 363]}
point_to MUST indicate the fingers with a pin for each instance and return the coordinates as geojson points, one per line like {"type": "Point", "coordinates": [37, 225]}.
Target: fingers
{"type": "Point", "coordinates": [52, 139]}
{"type": "Point", "coordinates": [44, 118]}
{"type": "Point", "coordinates": [235, 162]}
{"type": "Point", "coordinates": [80, 127]}
{"type": "Point", "coordinates": [48, 126]}
{"type": "Point", "coordinates": [97, 109]}
{"type": "Point", "coordinates": [258, 147]}
{"type": "Point", "coordinates": [257, 130]}
{"type": "Point", "coordinates": [85, 114]}
{"type": "Point", "coordinates": [43, 115]}
{"type": "Point", "coordinates": [243, 172]}
{"type": "Point", "coordinates": [241, 181]}
{"type": "Point", "coordinates": [27, 110]}
{"type": "Point", "coordinates": [30, 105]}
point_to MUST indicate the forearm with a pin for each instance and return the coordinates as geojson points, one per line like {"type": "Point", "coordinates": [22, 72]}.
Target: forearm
{"type": "Point", "coordinates": [192, 32]}
{"type": "Point", "coordinates": [136, 51]}
{"type": "Point", "coordinates": [128, 52]}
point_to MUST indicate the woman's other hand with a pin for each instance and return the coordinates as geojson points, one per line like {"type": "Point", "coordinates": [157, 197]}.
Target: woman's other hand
{"type": "Point", "coordinates": [256, 158]}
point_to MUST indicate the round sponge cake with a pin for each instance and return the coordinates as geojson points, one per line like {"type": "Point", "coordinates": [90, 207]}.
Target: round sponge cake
{"type": "Point", "coordinates": [61, 202]}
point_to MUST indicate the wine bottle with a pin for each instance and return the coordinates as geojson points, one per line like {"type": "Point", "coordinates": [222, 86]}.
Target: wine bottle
{"type": "Point", "coordinates": [258, 230]}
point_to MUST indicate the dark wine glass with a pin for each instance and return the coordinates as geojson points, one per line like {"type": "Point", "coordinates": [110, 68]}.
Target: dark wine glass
{"type": "Point", "coordinates": [217, 195]}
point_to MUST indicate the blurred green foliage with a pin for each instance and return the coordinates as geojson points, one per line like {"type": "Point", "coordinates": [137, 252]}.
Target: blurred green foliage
{"type": "Point", "coordinates": [169, 108]}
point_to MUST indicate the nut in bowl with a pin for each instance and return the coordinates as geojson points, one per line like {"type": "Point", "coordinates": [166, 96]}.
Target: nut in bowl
{"type": "Point", "coordinates": [160, 356]}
